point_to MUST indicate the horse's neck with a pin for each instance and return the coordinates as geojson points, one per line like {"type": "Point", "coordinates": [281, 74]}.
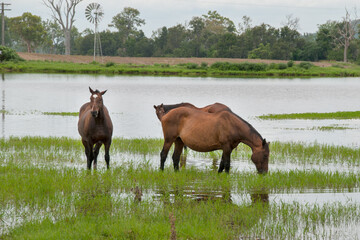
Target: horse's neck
{"type": "Point", "coordinates": [249, 135]}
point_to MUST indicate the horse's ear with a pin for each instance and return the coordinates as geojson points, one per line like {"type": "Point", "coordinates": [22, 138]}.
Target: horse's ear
{"type": "Point", "coordinates": [264, 142]}
{"type": "Point", "coordinates": [103, 92]}
{"type": "Point", "coordinates": [92, 91]}
{"type": "Point", "coordinates": [162, 105]}
{"type": "Point", "coordinates": [154, 106]}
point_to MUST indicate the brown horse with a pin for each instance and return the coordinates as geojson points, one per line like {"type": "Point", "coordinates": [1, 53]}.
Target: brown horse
{"type": "Point", "coordinates": [95, 128]}
{"type": "Point", "coordinates": [205, 132]}
{"type": "Point", "coordinates": [162, 109]}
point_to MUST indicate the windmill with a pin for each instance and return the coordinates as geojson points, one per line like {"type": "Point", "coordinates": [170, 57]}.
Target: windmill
{"type": "Point", "coordinates": [94, 14]}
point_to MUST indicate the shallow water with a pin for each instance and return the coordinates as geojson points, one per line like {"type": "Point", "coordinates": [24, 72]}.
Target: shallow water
{"type": "Point", "coordinates": [130, 100]}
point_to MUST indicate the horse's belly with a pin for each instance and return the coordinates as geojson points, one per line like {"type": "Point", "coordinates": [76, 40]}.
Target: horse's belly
{"type": "Point", "coordinates": [201, 143]}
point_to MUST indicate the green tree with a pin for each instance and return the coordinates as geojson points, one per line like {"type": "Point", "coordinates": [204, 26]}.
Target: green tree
{"type": "Point", "coordinates": [262, 52]}
{"type": "Point", "coordinates": [54, 36]}
{"type": "Point", "coordinates": [324, 38]}
{"type": "Point", "coordinates": [29, 29]}
{"type": "Point", "coordinates": [127, 22]}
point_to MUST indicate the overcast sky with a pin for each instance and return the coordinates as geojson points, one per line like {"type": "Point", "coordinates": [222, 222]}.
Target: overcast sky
{"type": "Point", "coordinates": [159, 13]}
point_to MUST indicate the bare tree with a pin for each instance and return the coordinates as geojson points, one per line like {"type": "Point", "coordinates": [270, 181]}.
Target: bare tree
{"type": "Point", "coordinates": [346, 32]}
{"type": "Point", "coordinates": [63, 12]}
{"type": "Point", "coordinates": [291, 22]}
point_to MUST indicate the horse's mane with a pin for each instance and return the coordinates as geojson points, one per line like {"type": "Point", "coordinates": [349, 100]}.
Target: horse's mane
{"type": "Point", "coordinates": [252, 129]}
{"type": "Point", "coordinates": [167, 108]}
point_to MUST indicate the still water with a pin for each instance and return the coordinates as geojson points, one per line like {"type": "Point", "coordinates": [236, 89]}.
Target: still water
{"type": "Point", "coordinates": [130, 100]}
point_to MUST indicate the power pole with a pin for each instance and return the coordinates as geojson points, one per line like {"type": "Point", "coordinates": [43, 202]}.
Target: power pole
{"type": "Point", "coordinates": [3, 9]}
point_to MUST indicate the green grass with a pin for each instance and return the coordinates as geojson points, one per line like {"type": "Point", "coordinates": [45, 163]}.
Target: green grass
{"type": "Point", "coordinates": [313, 116]}
{"type": "Point", "coordinates": [180, 69]}
{"type": "Point", "coordinates": [64, 202]}
{"type": "Point", "coordinates": [61, 113]}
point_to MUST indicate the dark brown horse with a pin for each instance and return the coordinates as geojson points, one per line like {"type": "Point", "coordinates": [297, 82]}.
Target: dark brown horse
{"type": "Point", "coordinates": [95, 128]}
{"type": "Point", "coordinates": [205, 132]}
{"type": "Point", "coordinates": [162, 109]}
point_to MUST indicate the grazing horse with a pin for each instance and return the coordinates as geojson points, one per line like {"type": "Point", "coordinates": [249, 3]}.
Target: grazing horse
{"type": "Point", "coordinates": [162, 109]}
{"type": "Point", "coordinates": [95, 128]}
{"type": "Point", "coordinates": [205, 132]}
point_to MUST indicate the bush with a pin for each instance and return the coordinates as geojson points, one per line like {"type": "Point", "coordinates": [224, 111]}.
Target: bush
{"type": "Point", "coordinates": [8, 54]}
{"type": "Point", "coordinates": [290, 63]}
{"type": "Point", "coordinates": [192, 66]}
{"type": "Point", "coordinates": [245, 66]}
{"type": "Point", "coordinates": [204, 65]}
{"type": "Point", "coordinates": [305, 65]}
{"type": "Point", "coordinates": [282, 66]}
{"type": "Point", "coordinates": [109, 64]}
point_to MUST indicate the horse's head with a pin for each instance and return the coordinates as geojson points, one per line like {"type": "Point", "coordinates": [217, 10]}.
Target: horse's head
{"type": "Point", "coordinates": [160, 111]}
{"type": "Point", "coordinates": [96, 101]}
{"type": "Point", "coordinates": [260, 157]}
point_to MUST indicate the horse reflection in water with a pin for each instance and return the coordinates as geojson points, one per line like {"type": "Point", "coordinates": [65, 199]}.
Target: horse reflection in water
{"type": "Point", "coordinates": [95, 128]}
{"type": "Point", "coordinates": [205, 132]}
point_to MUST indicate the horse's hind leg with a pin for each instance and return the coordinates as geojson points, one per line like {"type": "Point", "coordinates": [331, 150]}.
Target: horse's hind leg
{"type": "Point", "coordinates": [107, 154]}
{"type": "Point", "coordinates": [164, 153]}
{"type": "Point", "coordinates": [96, 153]}
{"type": "Point", "coordinates": [177, 152]}
{"type": "Point", "coordinates": [225, 161]}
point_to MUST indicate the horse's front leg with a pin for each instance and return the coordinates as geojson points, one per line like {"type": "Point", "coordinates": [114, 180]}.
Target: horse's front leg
{"type": "Point", "coordinates": [107, 154]}
{"type": "Point", "coordinates": [179, 145]}
{"type": "Point", "coordinates": [96, 153]}
{"type": "Point", "coordinates": [164, 153]}
{"type": "Point", "coordinates": [89, 153]}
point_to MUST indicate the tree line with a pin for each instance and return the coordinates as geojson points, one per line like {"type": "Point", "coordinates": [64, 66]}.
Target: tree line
{"type": "Point", "coordinates": [209, 35]}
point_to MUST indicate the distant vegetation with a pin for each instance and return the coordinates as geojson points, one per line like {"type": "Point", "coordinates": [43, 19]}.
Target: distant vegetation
{"type": "Point", "coordinates": [209, 35]}
{"type": "Point", "coordinates": [245, 69]}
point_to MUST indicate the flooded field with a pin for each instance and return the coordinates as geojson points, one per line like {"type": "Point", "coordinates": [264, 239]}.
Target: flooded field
{"type": "Point", "coordinates": [312, 190]}
{"type": "Point", "coordinates": [130, 100]}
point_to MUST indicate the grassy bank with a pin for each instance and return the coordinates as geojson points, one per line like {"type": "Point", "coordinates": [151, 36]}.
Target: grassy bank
{"type": "Point", "coordinates": [190, 69]}
{"type": "Point", "coordinates": [313, 116]}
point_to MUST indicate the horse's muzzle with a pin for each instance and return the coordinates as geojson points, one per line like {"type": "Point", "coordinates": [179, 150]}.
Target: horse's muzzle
{"type": "Point", "coordinates": [94, 113]}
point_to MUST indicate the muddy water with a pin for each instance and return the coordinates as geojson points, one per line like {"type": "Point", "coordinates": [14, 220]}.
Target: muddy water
{"type": "Point", "coordinates": [130, 100]}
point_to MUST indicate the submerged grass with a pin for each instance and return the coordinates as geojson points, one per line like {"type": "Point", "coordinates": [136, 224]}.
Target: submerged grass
{"type": "Point", "coordinates": [43, 201]}
{"type": "Point", "coordinates": [63, 149]}
{"type": "Point", "coordinates": [62, 113]}
{"type": "Point", "coordinates": [313, 116]}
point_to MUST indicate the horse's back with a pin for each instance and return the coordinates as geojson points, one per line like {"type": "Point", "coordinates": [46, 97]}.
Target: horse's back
{"type": "Point", "coordinates": [216, 107]}
{"type": "Point", "coordinates": [201, 131]}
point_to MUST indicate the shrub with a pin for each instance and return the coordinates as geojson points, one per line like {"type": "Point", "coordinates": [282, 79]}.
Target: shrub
{"type": "Point", "coordinates": [290, 63]}
{"type": "Point", "coordinates": [282, 66]}
{"type": "Point", "coordinates": [305, 65]}
{"type": "Point", "coordinates": [204, 65]}
{"type": "Point", "coordinates": [273, 66]}
{"type": "Point", "coordinates": [192, 66]}
{"type": "Point", "coordinates": [109, 64]}
{"type": "Point", "coordinates": [245, 66]}
{"type": "Point", "coordinates": [8, 54]}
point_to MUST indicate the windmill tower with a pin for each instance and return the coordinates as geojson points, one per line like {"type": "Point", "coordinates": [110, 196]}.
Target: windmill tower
{"type": "Point", "coordinates": [94, 14]}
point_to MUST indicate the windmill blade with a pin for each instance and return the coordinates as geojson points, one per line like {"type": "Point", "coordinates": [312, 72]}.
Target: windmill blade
{"type": "Point", "coordinates": [94, 12]}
